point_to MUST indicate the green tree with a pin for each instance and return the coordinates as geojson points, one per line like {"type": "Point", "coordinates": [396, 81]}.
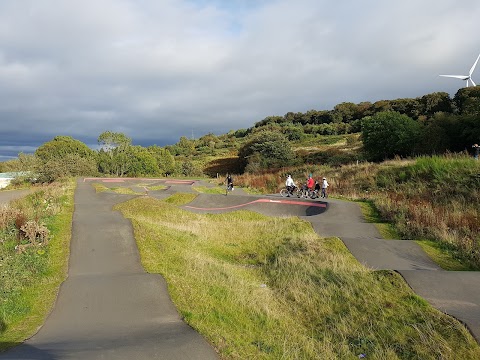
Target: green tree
{"type": "Point", "coordinates": [346, 111]}
{"type": "Point", "coordinates": [66, 166]}
{"type": "Point", "coordinates": [293, 132]}
{"type": "Point", "coordinates": [408, 106]}
{"type": "Point", "coordinates": [271, 149]}
{"type": "Point", "coordinates": [111, 141]}
{"type": "Point", "coordinates": [165, 160]}
{"type": "Point", "coordinates": [270, 120]}
{"type": "Point", "coordinates": [381, 106]}
{"type": "Point", "coordinates": [436, 102]}
{"type": "Point", "coordinates": [390, 133]}
{"type": "Point", "coordinates": [436, 134]}
{"type": "Point", "coordinates": [188, 168]}
{"type": "Point", "coordinates": [114, 153]}
{"type": "Point", "coordinates": [185, 146]}
{"type": "Point", "coordinates": [364, 109]}
{"type": "Point", "coordinates": [24, 163]}
{"type": "Point", "coordinates": [141, 162]}
{"type": "Point", "coordinates": [324, 117]}
{"type": "Point", "coordinates": [467, 100]}
{"type": "Point", "coordinates": [60, 146]}
{"type": "Point", "coordinates": [62, 157]}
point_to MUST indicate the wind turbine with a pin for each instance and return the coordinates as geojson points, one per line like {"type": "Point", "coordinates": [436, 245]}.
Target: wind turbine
{"type": "Point", "coordinates": [466, 77]}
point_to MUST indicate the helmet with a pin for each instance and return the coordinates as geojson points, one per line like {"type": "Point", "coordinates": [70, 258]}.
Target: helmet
{"type": "Point", "coordinates": [324, 178]}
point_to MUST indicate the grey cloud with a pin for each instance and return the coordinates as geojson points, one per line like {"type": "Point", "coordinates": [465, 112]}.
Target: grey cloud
{"type": "Point", "coordinates": [160, 70]}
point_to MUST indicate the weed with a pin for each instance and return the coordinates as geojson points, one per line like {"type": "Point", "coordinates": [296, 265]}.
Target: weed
{"type": "Point", "coordinates": [29, 279]}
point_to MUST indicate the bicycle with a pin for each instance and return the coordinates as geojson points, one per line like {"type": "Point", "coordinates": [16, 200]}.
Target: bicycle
{"type": "Point", "coordinates": [228, 188]}
{"type": "Point", "coordinates": [314, 194]}
{"type": "Point", "coordinates": [294, 191]}
{"type": "Point", "coordinates": [307, 193]}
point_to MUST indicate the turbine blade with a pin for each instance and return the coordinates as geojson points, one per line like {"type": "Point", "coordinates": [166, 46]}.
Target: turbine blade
{"type": "Point", "coordinates": [463, 77]}
{"type": "Point", "coordinates": [473, 67]}
{"type": "Point", "coordinates": [473, 82]}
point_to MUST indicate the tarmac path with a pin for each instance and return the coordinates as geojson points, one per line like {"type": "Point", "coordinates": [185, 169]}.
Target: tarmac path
{"type": "Point", "coordinates": [109, 308]}
{"type": "Point", "coordinates": [8, 195]}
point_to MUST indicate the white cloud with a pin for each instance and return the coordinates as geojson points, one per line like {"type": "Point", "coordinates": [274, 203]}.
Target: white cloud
{"type": "Point", "coordinates": [158, 69]}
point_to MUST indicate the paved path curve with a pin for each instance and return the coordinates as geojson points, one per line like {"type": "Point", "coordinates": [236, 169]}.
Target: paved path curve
{"type": "Point", "coordinates": [109, 307]}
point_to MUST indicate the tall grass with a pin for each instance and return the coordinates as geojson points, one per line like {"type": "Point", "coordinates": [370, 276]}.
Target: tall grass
{"type": "Point", "coordinates": [30, 279]}
{"type": "Point", "coordinates": [269, 288]}
{"type": "Point", "coordinates": [434, 198]}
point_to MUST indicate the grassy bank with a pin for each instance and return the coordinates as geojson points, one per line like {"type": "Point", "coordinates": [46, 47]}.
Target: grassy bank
{"type": "Point", "coordinates": [429, 198]}
{"type": "Point", "coordinates": [270, 288]}
{"type": "Point", "coordinates": [30, 278]}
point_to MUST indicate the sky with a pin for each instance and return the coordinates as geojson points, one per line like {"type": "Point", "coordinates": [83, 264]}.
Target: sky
{"type": "Point", "coordinates": [156, 70]}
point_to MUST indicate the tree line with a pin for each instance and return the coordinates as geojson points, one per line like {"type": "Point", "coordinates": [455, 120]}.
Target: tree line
{"type": "Point", "coordinates": [466, 101]}
{"type": "Point", "coordinates": [65, 156]}
{"type": "Point", "coordinates": [431, 124]}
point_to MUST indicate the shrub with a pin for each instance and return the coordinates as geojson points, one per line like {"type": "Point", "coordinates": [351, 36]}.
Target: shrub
{"type": "Point", "coordinates": [387, 134]}
{"type": "Point", "coordinates": [270, 149]}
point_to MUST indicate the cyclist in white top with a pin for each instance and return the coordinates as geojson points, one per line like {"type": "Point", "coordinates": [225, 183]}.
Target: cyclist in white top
{"type": "Point", "coordinates": [290, 184]}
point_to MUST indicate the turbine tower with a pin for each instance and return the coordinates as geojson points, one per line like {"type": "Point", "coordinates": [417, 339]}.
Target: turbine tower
{"type": "Point", "coordinates": [466, 77]}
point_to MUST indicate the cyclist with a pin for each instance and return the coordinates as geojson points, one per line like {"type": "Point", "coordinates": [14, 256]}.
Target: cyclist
{"type": "Point", "coordinates": [305, 188]}
{"type": "Point", "coordinates": [229, 181]}
{"type": "Point", "coordinates": [310, 183]}
{"type": "Point", "coordinates": [290, 185]}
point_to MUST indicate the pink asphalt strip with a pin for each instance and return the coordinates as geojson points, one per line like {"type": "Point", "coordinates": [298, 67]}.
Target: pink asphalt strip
{"type": "Point", "coordinates": [186, 182]}
{"type": "Point", "coordinates": [289, 202]}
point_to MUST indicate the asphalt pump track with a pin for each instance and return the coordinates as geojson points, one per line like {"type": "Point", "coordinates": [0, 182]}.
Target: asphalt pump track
{"type": "Point", "coordinates": [110, 308]}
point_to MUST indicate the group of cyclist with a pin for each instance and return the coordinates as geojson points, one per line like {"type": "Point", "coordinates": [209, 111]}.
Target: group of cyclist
{"type": "Point", "coordinates": [310, 188]}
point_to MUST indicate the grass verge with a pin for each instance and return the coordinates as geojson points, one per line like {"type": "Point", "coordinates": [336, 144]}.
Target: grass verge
{"type": "Point", "coordinates": [117, 189]}
{"type": "Point", "coordinates": [30, 281]}
{"type": "Point", "coordinates": [443, 255]}
{"type": "Point", "coordinates": [209, 190]}
{"type": "Point", "coordinates": [372, 215]}
{"type": "Point", "coordinates": [270, 288]}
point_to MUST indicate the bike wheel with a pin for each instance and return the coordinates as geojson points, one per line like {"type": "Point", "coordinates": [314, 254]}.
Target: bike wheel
{"type": "Point", "coordinates": [284, 192]}
{"type": "Point", "coordinates": [299, 193]}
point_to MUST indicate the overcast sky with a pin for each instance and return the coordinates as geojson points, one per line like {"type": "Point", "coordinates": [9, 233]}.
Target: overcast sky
{"type": "Point", "coordinates": [156, 70]}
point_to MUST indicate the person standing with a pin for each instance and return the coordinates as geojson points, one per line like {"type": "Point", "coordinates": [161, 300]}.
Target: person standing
{"type": "Point", "coordinates": [324, 188]}
{"type": "Point", "coordinates": [476, 151]}
{"type": "Point", "coordinates": [316, 192]}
